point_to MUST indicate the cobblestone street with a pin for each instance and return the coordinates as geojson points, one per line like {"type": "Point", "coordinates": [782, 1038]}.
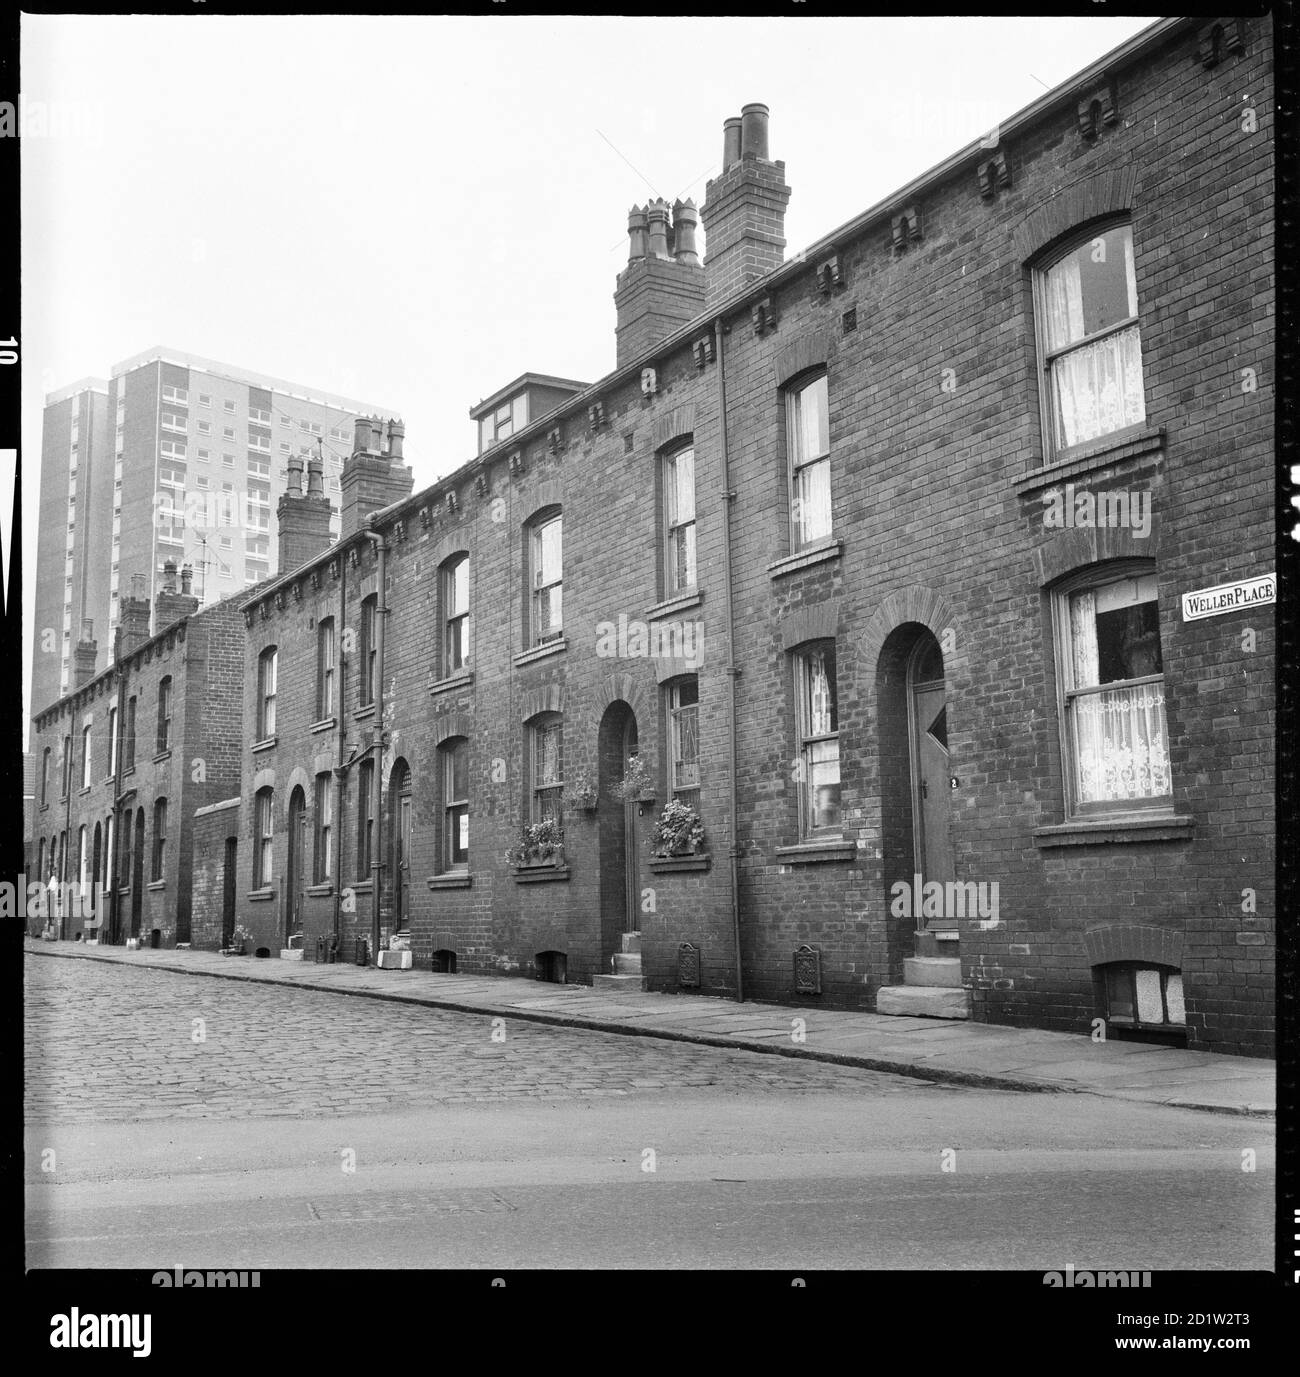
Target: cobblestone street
{"type": "Point", "coordinates": [294, 1053]}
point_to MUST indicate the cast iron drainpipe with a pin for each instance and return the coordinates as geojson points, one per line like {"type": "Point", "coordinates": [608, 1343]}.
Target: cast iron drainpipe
{"type": "Point", "coordinates": [376, 783]}
{"type": "Point", "coordinates": [340, 697]}
{"type": "Point", "coordinates": [728, 496]}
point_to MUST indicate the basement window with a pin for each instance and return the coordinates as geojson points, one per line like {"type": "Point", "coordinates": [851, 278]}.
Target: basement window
{"type": "Point", "coordinates": [1144, 1002]}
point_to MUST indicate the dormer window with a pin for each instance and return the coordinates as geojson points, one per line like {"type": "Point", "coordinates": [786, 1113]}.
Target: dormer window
{"type": "Point", "coordinates": [501, 423]}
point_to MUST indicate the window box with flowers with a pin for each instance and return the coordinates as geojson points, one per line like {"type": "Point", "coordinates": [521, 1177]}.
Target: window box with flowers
{"type": "Point", "coordinates": [638, 785]}
{"type": "Point", "coordinates": [678, 840]}
{"type": "Point", "coordinates": [539, 853]}
{"type": "Point", "coordinates": [583, 795]}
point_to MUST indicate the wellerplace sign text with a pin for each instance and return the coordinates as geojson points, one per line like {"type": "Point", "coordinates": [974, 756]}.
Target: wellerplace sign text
{"type": "Point", "coordinates": [1229, 597]}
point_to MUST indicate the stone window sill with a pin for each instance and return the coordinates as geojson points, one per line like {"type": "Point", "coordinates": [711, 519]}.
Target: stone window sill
{"type": "Point", "coordinates": [461, 679]}
{"type": "Point", "coordinates": [362, 887]}
{"type": "Point", "coordinates": [83, 791]}
{"type": "Point", "coordinates": [815, 852]}
{"type": "Point", "coordinates": [321, 890]}
{"type": "Point", "coordinates": [156, 884]}
{"type": "Point", "coordinates": [542, 652]}
{"type": "Point", "coordinates": [324, 724]}
{"type": "Point", "coordinates": [819, 554]}
{"type": "Point", "coordinates": [162, 755]}
{"type": "Point", "coordinates": [266, 744]}
{"type": "Point", "coordinates": [362, 713]}
{"type": "Point", "coordinates": [1155, 827]}
{"type": "Point", "coordinates": [679, 602]}
{"type": "Point", "coordinates": [453, 879]}
{"type": "Point", "coordinates": [540, 874]}
{"type": "Point", "coordinates": [676, 865]}
{"type": "Point", "coordinates": [1089, 458]}
{"type": "Point", "coordinates": [260, 896]}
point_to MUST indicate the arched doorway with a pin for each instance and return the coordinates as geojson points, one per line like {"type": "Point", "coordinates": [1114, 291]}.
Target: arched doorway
{"type": "Point", "coordinates": [297, 872]}
{"type": "Point", "coordinates": [97, 883]}
{"type": "Point", "coordinates": [619, 910]}
{"type": "Point", "coordinates": [399, 831]}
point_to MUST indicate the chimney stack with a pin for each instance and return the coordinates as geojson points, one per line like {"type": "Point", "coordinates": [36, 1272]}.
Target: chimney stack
{"type": "Point", "coordinates": [744, 208]}
{"type": "Point", "coordinates": [187, 579]}
{"type": "Point", "coordinates": [303, 519]}
{"type": "Point", "coordinates": [170, 606]}
{"type": "Point", "coordinates": [83, 656]}
{"type": "Point", "coordinates": [371, 478]}
{"type": "Point", "coordinates": [132, 626]}
{"type": "Point", "coordinates": [662, 286]}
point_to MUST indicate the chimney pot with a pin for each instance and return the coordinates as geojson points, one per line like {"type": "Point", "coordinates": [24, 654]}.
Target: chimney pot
{"type": "Point", "coordinates": [187, 579]}
{"type": "Point", "coordinates": [294, 482]}
{"type": "Point", "coordinates": [87, 629]}
{"type": "Point", "coordinates": [396, 435]}
{"type": "Point", "coordinates": [753, 132]}
{"type": "Point", "coordinates": [315, 479]}
{"type": "Point", "coordinates": [731, 141]}
{"type": "Point", "coordinates": [169, 576]}
{"type": "Point", "coordinates": [361, 430]}
{"type": "Point", "coordinates": [636, 230]}
{"type": "Point", "coordinates": [686, 219]}
{"type": "Point", "coordinates": [658, 215]}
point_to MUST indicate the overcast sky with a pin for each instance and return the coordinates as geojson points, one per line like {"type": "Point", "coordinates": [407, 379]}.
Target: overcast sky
{"type": "Point", "coordinates": [413, 211]}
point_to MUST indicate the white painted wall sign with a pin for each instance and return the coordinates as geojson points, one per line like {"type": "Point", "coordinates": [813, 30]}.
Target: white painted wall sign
{"type": "Point", "coordinates": [1229, 597]}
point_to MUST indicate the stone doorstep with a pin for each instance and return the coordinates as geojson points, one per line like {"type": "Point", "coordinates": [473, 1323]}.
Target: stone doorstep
{"type": "Point", "coordinates": [618, 984]}
{"type": "Point", "coordinates": [943, 971]}
{"type": "Point", "coordinates": [932, 1001]}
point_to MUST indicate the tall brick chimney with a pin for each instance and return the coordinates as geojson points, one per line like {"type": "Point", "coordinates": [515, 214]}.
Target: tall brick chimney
{"type": "Point", "coordinates": [744, 209]}
{"type": "Point", "coordinates": [662, 286]}
{"type": "Point", "coordinates": [170, 606]}
{"type": "Point", "coordinates": [371, 477]}
{"type": "Point", "coordinates": [303, 518]}
{"type": "Point", "coordinates": [132, 626]}
{"type": "Point", "coordinates": [83, 656]}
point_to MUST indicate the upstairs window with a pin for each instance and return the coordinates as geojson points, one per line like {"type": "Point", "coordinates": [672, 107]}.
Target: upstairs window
{"type": "Point", "coordinates": [1112, 694]}
{"type": "Point", "coordinates": [128, 749]}
{"type": "Point", "coordinates": [1091, 345]}
{"type": "Point", "coordinates": [85, 756]}
{"type": "Point", "coordinates": [503, 422]}
{"type": "Point", "coordinates": [455, 614]}
{"type": "Point", "coordinates": [112, 742]}
{"type": "Point", "coordinates": [819, 741]}
{"type": "Point", "coordinates": [266, 685]}
{"type": "Point", "coordinates": [369, 651]}
{"type": "Point", "coordinates": [165, 713]}
{"type": "Point", "coordinates": [545, 565]}
{"type": "Point", "coordinates": [679, 520]}
{"type": "Point", "coordinates": [324, 668]}
{"type": "Point", "coordinates": [67, 765]}
{"type": "Point", "coordinates": [45, 776]}
{"type": "Point", "coordinates": [809, 447]}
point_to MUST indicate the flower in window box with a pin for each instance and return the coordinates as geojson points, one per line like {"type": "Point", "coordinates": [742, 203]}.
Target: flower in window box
{"type": "Point", "coordinates": [584, 794]}
{"type": "Point", "coordinates": [638, 784]}
{"type": "Point", "coordinates": [540, 843]}
{"type": "Point", "coordinates": [679, 831]}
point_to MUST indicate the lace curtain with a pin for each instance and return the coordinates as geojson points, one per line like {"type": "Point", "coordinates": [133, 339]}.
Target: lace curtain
{"type": "Point", "coordinates": [1098, 387]}
{"type": "Point", "coordinates": [1120, 740]}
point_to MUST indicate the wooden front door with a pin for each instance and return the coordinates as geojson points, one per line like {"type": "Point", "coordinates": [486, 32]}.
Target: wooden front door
{"type": "Point", "coordinates": [402, 844]}
{"type": "Point", "coordinates": [228, 893]}
{"type": "Point", "coordinates": [931, 775]}
{"type": "Point", "coordinates": [297, 861]}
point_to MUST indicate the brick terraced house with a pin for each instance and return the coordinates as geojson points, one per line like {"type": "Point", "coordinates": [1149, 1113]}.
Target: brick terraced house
{"type": "Point", "coordinates": [839, 647]}
{"type": "Point", "coordinates": [123, 761]}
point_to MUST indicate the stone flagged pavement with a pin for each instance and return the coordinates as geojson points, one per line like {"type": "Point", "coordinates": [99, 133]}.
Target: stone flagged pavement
{"type": "Point", "coordinates": [976, 1054]}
